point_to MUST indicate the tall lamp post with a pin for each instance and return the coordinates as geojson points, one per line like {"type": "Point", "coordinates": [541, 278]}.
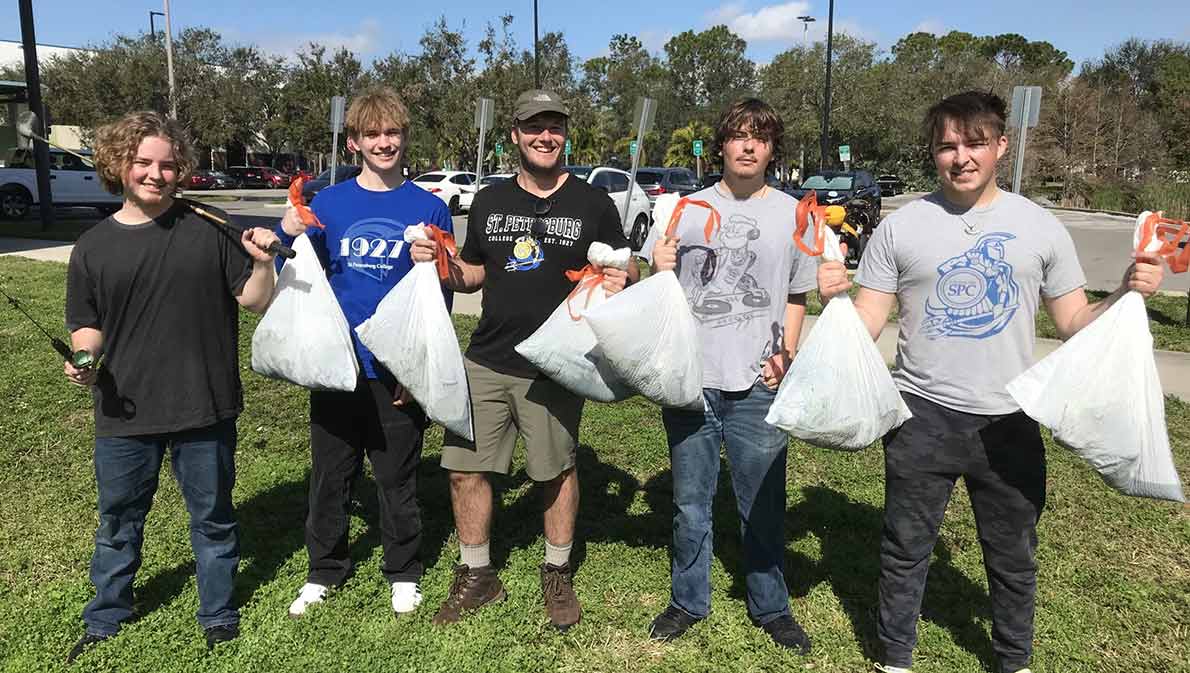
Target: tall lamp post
{"type": "Point", "coordinates": [806, 21]}
{"type": "Point", "coordinates": [826, 108]}
{"type": "Point", "coordinates": [169, 63]}
{"type": "Point", "coordinates": [153, 26]}
{"type": "Point", "coordinates": [536, 60]}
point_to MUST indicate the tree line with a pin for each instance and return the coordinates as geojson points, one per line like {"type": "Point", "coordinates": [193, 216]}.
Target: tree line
{"type": "Point", "coordinates": [1114, 132]}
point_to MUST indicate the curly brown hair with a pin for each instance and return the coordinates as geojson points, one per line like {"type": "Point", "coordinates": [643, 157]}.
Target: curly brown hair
{"type": "Point", "coordinates": [116, 145]}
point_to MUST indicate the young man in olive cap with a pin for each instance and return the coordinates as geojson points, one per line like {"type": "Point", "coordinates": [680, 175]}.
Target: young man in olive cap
{"type": "Point", "coordinates": [523, 235]}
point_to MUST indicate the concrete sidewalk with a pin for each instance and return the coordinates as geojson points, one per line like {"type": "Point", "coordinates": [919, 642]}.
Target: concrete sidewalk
{"type": "Point", "coordinates": [1174, 367]}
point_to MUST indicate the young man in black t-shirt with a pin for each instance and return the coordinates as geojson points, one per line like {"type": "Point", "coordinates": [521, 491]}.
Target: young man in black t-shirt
{"type": "Point", "coordinates": [155, 290]}
{"type": "Point", "coordinates": [522, 237]}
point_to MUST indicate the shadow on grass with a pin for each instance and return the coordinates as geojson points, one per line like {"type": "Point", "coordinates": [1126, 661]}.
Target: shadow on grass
{"type": "Point", "coordinates": [849, 535]}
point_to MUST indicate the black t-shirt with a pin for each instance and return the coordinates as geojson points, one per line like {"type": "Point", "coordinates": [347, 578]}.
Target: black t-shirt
{"type": "Point", "coordinates": [163, 295]}
{"type": "Point", "coordinates": [526, 273]}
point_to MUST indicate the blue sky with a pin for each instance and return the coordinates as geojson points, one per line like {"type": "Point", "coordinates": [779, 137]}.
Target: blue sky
{"type": "Point", "coordinates": [373, 28]}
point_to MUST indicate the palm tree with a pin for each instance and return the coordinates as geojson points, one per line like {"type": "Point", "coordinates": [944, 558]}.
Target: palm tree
{"type": "Point", "coordinates": [681, 141]}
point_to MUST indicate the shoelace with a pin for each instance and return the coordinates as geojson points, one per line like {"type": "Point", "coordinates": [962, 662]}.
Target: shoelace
{"type": "Point", "coordinates": [553, 584]}
{"type": "Point", "coordinates": [457, 587]}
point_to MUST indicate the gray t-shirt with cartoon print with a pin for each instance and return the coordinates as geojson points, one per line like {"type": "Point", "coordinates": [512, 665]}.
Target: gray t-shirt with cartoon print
{"type": "Point", "coordinates": [738, 282]}
{"type": "Point", "coordinates": [968, 284]}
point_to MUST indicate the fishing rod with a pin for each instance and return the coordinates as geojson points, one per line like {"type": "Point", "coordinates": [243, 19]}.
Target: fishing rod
{"type": "Point", "coordinates": [28, 120]}
{"type": "Point", "coordinates": [81, 359]}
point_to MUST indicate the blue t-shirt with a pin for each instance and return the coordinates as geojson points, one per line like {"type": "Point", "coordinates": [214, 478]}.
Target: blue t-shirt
{"type": "Point", "coordinates": [363, 247]}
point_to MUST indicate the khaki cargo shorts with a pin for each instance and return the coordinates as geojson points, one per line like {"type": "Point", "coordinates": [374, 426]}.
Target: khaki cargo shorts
{"type": "Point", "coordinates": [544, 413]}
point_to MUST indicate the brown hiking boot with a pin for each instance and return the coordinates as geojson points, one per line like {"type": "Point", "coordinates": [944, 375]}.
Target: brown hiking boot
{"type": "Point", "coordinates": [557, 588]}
{"type": "Point", "coordinates": [470, 589]}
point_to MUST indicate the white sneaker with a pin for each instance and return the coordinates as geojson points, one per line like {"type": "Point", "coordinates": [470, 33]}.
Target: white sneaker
{"type": "Point", "coordinates": [1024, 670]}
{"type": "Point", "coordinates": [891, 669]}
{"type": "Point", "coordinates": [309, 595]}
{"type": "Point", "coordinates": [406, 597]}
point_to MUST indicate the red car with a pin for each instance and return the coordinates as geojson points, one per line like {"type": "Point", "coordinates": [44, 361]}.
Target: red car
{"type": "Point", "coordinates": [275, 178]}
{"type": "Point", "coordinates": [200, 180]}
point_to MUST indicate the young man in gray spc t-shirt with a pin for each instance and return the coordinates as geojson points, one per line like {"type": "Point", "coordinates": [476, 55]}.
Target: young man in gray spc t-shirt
{"type": "Point", "coordinates": [968, 266]}
{"type": "Point", "coordinates": [746, 287]}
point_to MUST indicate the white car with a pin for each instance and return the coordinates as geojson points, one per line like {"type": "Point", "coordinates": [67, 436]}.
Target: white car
{"type": "Point", "coordinates": [448, 186]}
{"type": "Point", "coordinates": [74, 183]}
{"type": "Point", "coordinates": [615, 182]}
{"type": "Point", "coordinates": [468, 193]}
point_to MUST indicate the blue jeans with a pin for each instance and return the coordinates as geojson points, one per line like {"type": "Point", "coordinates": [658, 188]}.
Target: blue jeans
{"type": "Point", "coordinates": [126, 471]}
{"type": "Point", "coordinates": [756, 454]}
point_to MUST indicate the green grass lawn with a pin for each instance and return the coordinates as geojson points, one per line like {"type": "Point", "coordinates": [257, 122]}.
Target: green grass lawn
{"type": "Point", "coordinates": [1114, 590]}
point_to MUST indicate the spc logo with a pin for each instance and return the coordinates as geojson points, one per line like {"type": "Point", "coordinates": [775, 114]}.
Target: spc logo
{"type": "Point", "coordinates": [372, 246]}
{"type": "Point", "coordinates": [976, 293]}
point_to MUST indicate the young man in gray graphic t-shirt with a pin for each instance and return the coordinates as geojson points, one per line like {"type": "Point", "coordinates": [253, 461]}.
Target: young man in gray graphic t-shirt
{"type": "Point", "coordinates": [968, 265]}
{"type": "Point", "coordinates": [746, 286]}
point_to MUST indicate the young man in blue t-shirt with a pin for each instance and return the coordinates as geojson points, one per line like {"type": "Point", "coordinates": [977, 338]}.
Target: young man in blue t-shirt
{"type": "Point", "coordinates": [363, 251]}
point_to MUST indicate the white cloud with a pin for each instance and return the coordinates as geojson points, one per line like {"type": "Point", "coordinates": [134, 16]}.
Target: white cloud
{"type": "Point", "coordinates": [933, 26]}
{"type": "Point", "coordinates": [779, 23]}
{"type": "Point", "coordinates": [363, 41]}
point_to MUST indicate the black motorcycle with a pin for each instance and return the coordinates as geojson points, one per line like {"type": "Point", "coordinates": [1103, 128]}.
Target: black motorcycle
{"type": "Point", "coordinates": [856, 229]}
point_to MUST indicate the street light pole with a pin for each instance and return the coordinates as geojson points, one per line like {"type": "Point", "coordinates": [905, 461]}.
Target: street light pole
{"type": "Point", "coordinates": [169, 63]}
{"type": "Point", "coordinates": [806, 21]}
{"type": "Point", "coordinates": [153, 26]}
{"type": "Point", "coordinates": [826, 108]}
{"type": "Point", "coordinates": [536, 60]}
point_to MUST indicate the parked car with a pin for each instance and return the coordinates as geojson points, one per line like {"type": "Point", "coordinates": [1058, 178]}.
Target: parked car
{"type": "Point", "coordinates": [222, 180]}
{"type": "Point", "coordinates": [839, 187]}
{"type": "Point", "coordinates": [276, 179]}
{"type": "Point", "coordinates": [448, 186]}
{"type": "Point", "coordinates": [890, 185]}
{"type": "Point", "coordinates": [467, 192]}
{"type": "Point", "coordinates": [200, 179]}
{"type": "Point", "coordinates": [342, 174]}
{"type": "Point", "coordinates": [616, 183]}
{"type": "Point", "coordinates": [74, 184]}
{"type": "Point", "coordinates": [657, 181]}
{"type": "Point", "coordinates": [249, 177]}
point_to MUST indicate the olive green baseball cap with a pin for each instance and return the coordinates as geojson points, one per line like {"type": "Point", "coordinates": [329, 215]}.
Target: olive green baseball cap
{"type": "Point", "coordinates": [536, 101]}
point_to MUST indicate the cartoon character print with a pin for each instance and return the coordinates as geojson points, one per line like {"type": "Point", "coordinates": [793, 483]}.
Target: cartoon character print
{"type": "Point", "coordinates": [526, 255]}
{"type": "Point", "coordinates": [976, 295]}
{"type": "Point", "coordinates": [720, 289]}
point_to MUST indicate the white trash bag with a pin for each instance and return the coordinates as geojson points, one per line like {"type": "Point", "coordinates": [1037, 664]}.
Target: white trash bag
{"type": "Point", "coordinates": [564, 347]}
{"type": "Point", "coordinates": [1100, 394]}
{"type": "Point", "coordinates": [648, 334]}
{"type": "Point", "coordinates": [838, 393]}
{"type": "Point", "coordinates": [304, 337]}
{"type": "Point", "coordinates": [412, 334]}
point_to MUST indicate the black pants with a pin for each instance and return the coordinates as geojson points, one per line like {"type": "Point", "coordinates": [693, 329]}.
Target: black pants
{"type": "Point", "coordinates": [1002, 462]}
{"type": "Point", "coordinates": [343, 426]}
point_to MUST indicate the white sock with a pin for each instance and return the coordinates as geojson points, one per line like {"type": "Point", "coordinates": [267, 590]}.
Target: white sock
{"type": "Point", "coordinates": [475, 555]}
{"type": "Point", "coordinates": [557, 555]}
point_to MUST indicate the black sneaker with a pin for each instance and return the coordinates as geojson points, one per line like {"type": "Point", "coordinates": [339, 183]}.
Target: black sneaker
{"type": "Point", "coordinates": [86, 641]}
{"type": "Point", "coordinates": [221, 634]}
{"type": "Point", "coordinates": [786, 632]}
{"type": "Point", "coordinates": [671, 624]}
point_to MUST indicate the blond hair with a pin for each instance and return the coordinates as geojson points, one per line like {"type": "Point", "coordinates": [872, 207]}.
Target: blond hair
{"type": "Point", "coordinates": [116, 145]}
{"type": "Point", "coordinates": [373, 109]}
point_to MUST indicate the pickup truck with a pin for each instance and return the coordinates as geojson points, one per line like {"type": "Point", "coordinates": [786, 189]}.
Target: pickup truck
{"type": "Point", "coordinates": [74, 183]}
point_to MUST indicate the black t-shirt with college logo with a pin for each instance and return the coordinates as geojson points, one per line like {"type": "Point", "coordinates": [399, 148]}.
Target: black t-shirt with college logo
{"type": "Point", "coordinates": [163, 295]}
{"type": "Point", "coordinates": [526, 272]}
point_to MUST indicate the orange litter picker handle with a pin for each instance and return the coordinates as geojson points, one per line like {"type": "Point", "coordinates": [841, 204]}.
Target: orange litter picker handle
{"type": "Point", "coordinates": [713, 219]}
{"type": "Point", "coordinates": [1170, 232]}
{"type": "Point", "coordinates": [810, 213]}
{"type": "Point", "coordinates": [588, 279]}
{"type": "Point", "coordinates": [446, 246]}
{"type": "Point", "coordinates": [306, 215]}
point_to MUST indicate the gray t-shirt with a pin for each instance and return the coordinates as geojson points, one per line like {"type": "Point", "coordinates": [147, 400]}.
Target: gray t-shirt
{"type": "Point", "coordinates": [738, 283]}
{"type": "Point", "coordinates": [968, 283]}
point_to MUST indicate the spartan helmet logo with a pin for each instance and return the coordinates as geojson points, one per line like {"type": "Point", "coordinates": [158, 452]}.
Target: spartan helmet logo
{"type": "Point", "coordinates": [976, 295]}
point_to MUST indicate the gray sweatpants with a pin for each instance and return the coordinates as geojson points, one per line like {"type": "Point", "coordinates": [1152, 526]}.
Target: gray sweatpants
{"type": "Point", "coordinates": [1002, 462]}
